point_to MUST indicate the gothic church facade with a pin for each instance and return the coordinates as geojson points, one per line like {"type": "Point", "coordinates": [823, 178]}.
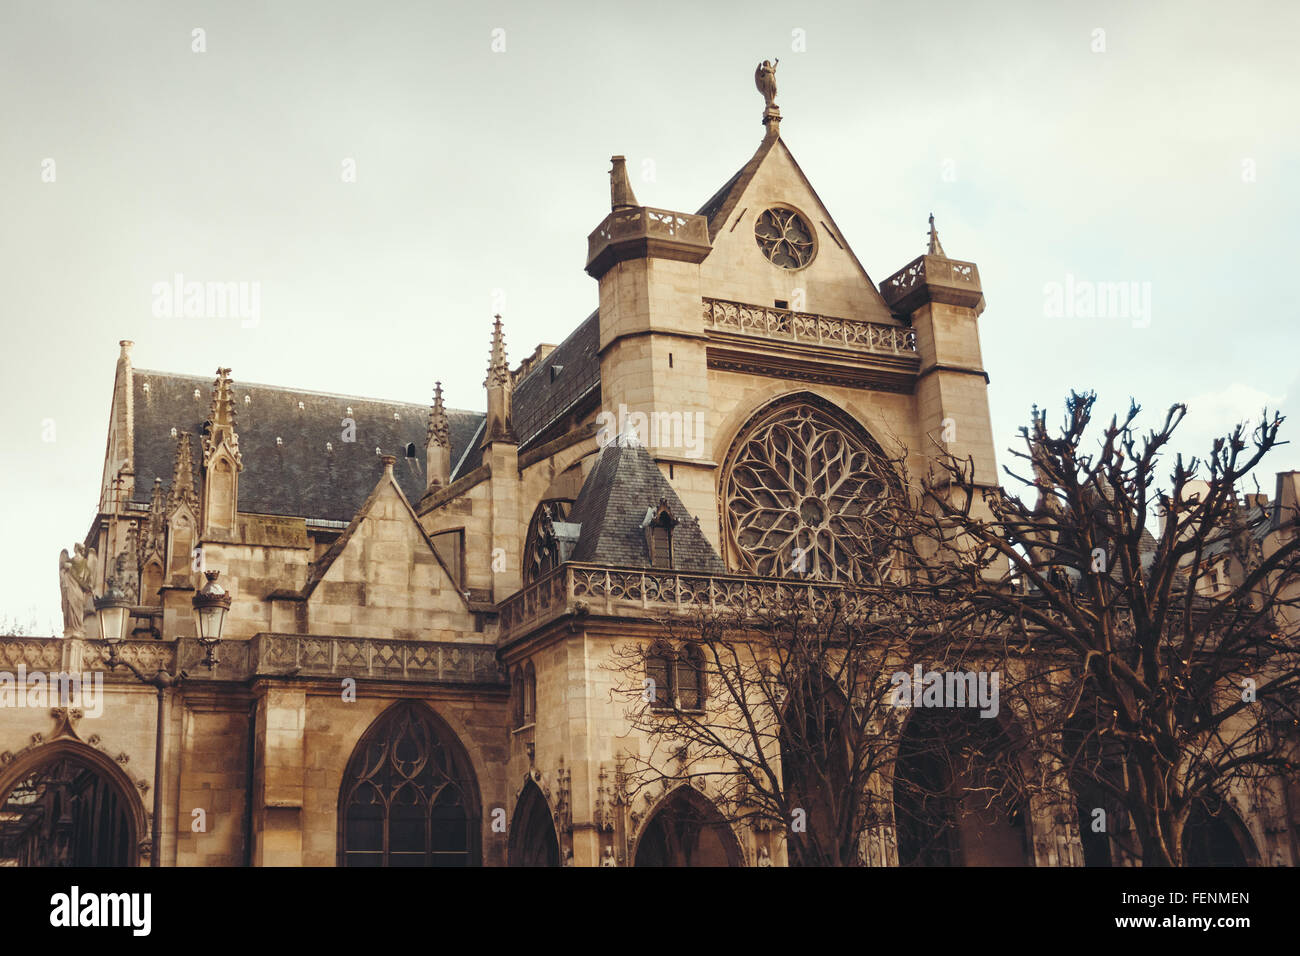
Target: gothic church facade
{"type": "Point", "coordinates": [413, 667]}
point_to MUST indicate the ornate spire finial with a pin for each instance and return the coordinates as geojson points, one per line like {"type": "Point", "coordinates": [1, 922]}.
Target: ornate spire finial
{"type": "Point", "coordinates": [155, 529]}
{"type": "Point", "coordinates": [182, 490]}
{"type": "Point", "coordinates": [498, 372]}
{"type": "Point", "coordinates": [935, 248]}
{"type": "Point", "coordinates": [765, 80]}
{"type": "Point", "coordinates": [221, 418]}
{"type": "Point", "coordinates": [620, 190]}
{"type": "Point", "coordinates": [499, 387]}
{"type": "Point", "coordinates": [439, 428]}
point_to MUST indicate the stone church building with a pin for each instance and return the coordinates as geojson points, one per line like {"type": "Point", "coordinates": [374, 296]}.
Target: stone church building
{"type": "Point", "coordinates": [423, 600]}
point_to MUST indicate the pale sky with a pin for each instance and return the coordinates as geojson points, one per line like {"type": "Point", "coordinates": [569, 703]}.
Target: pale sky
{"type": "Point", "coordinates": [1162, 151]}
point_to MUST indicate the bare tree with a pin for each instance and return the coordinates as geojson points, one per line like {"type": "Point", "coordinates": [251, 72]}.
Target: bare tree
{"type": "Point", "coordinates": [1156, 690]}
{"type": "Point", "coordinates": [1133, 687]}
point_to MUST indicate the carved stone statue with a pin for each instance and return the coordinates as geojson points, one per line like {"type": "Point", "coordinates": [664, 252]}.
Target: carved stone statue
{"type": "Point", "coordinates": [764, 858]}
{"type": "Point", "coordinates": [76, 585]}
{"type": "Point", "coordinates": [607, 857]}
{"type": "Point", "coordinates": [765, 80]}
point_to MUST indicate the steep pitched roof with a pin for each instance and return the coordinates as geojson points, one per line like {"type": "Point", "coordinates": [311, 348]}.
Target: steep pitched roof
{"type": "Point", "coordinates": [720, 205]}
{"type": "Point", "coordinates": [546, 394]}
{"type": "Point", "coordinates": [298, 477]}
{"type": "Point", "coordinates": [612, 504]}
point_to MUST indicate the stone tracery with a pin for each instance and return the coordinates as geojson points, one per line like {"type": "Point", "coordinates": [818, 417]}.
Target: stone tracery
{"type": "Point", "coordinates": [801, 495]}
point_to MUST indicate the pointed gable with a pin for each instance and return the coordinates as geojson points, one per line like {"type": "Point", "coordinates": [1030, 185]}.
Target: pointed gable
{"type": "Point", "coordinates": [612, 506]}
{"type": "Point", "coordinates": [833, 283]}
{"type": "Point", "coordinates": [383, 577]}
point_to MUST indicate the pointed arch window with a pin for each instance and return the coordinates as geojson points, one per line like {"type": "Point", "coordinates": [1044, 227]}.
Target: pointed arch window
{"type": "Point", "coordinates": [408, 796]}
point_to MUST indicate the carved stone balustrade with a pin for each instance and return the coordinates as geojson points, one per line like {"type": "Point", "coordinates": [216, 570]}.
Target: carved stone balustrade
{"type": "Point", "coordinates": [784, 325]}
{"type": "Point", "coordinates": [644, 232]}
{"type": "Point", "coordinates": [579, 590]}
{"type": "Point", "coordinates": [933, 279]}
{"type": "Point", "coordinates": [267, 655]}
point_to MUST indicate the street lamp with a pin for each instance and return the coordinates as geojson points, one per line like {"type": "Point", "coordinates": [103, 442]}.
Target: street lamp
{"type": "Point", "coordinates": [211, 603]}
{"type": "Point", "coordinates": [113, 611]}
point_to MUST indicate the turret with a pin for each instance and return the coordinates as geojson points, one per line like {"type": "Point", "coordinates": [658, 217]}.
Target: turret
{"type": "Point", "coordinates": [654, 367]}
{"type": "Point", "coordinates": [942, 299]}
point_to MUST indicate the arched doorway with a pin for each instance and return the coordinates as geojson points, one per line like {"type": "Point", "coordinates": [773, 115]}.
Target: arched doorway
{"type": "Point", "coordinates": [532, 832]}
{"type": "Point", "coordinates": [1215, 836]}
{"type": "Point", "coordinates": [409, 797]}
{"type": "Point", "coordinates": [68, 805]}
{"type": "Point", "coordinates": [815, 741]}
{"type": "Point", "coordinates": [687, 830]}
{"type": "Point", "coordinates": [956, 793]}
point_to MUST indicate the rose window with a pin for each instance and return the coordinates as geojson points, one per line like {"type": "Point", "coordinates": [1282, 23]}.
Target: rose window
{"type": "Point", "coordinates": [784, 238]}
{"type": "Point", "coordinates": [802, 495]}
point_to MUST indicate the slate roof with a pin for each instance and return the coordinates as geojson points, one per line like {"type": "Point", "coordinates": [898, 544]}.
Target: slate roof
{"type": "Point", "coordinates": [721, 204]}
{"type": "Point", "coordinates": [545, 395]}
{"type": "Point", "coordinates": [1255, 520]}
{"type": "Point", "coordinates": [713, 207]}
{"type": "Point", "coordinates": [624, 482]}
{"type": "Point", "coordinates": [299, 477]}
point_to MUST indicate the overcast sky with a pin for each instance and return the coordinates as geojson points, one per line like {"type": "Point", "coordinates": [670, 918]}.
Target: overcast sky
{"type": "Point", "coordinates": [1146, 143]}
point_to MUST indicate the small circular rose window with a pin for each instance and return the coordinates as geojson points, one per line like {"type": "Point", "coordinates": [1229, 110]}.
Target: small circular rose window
{"type": "Point", "coordinates": [784, 238]}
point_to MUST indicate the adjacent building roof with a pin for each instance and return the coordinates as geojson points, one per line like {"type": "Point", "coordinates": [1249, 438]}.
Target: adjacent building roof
{"type": "Point", "coordinates": [611, 508]}
{"type": "Point", "coordinates": [1255, 520]}
{"type": "Point", "coordinates": [296, 460]}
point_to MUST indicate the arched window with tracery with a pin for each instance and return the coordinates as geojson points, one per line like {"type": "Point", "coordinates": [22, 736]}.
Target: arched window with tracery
{"type": "Point", "coordinates": [542, 552]}
{"type": "Point", "coordinates": [804, 493]}
{"type": "Point", "coordinates": [408, 797]}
